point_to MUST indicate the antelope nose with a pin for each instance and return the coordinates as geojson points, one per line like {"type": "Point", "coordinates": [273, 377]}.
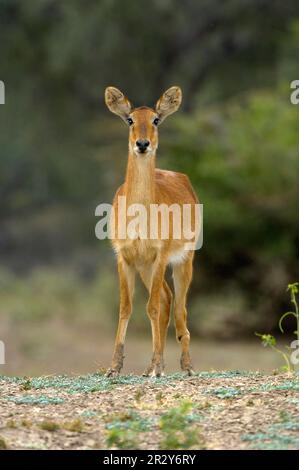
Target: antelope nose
{"type": "Point", "coordinates": [142, 144]}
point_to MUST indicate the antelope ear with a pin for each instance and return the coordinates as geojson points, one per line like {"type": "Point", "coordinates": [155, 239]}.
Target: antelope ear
{"type": "Point", "coordinates": [117, 102]}
{"type": "Point", "coordinates": [169, 102]}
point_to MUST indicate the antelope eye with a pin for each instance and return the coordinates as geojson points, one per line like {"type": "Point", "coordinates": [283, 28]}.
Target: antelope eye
{"type": "Point", "coordinates": [156, 121]}
{"type": "Point", "coordinates": [130, 121]}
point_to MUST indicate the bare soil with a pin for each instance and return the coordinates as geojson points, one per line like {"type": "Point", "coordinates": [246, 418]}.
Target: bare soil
{"type": "Point", "coordinates": [225, 410]}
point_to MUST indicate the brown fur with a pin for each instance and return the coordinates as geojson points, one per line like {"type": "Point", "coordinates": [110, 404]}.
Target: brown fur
{"type": "Point", "coordinates": [144, 184]}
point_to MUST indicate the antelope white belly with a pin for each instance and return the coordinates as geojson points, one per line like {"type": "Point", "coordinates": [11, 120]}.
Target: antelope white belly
{"type": "Point", "coordinates": [178, 257]}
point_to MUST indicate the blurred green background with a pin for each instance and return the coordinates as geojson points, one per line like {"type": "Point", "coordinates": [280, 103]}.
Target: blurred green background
{"type": "Point", "coordinates": [62, 153]}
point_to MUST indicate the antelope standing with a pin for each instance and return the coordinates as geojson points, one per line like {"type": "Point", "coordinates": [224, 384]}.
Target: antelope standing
{"type": "Point", "coordinates": [144, 184]}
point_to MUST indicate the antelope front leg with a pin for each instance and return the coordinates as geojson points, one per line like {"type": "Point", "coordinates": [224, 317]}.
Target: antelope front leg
{"type": "Point", "coordinates": [153, 311]}
{"type": "Point", "coordinates": [126, 284]}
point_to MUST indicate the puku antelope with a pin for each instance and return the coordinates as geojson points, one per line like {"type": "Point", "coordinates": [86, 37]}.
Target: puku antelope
{"type": "Point", "coordinates": [146, 185]}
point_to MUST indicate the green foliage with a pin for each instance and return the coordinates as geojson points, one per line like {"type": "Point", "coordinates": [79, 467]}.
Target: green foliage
{"type": "Point", "coordinates": [11, 424]}
{"type": "Point", "coordinates": [139, 394]}
{"type": "Point", "coordinates": [241, 157]}
{"type": "Point", "coordinates": [129, 420]}
{"type": "Point", "coordinates": [26, 423]}
{"type": "Point", "coordinates": [49, 425]}
{"type": "Point", "coordinates": [177, 430]}
{"type": "Point", "coordinates": [177, 426]}
{"type": "Point", "coordinates": [227, 374]}
{"type": "Point", "coordinates": [35, 400]}
{"type": "Point", "coordinates": [89, 414]}
{"type": "Point", "coordinates": [121, 439]}
{"type": "Point", "coordinates": [225, 392]}
{"type": "Point", "coordinates": [74, 426]}
{"type": "Point", "coordinates": [3, 444]}
{"type": "Point", "coordinates": [269, 340]}
{"type": "Point", "coordinates": [26, 385]}
{"type": "Point", "coordinates": [288, 385]}
{"type": "Point", "coordinates": [91, 383]}
{"type": "Point", "coordinates": [281, 435]}
{"type": "Point", "coordinates": [123, 429]}
{"type": "Point", "coordinates": [284, 416]}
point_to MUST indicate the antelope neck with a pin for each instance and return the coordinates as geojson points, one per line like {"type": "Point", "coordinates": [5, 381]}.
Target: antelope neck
{"type": "Point", "coordinates": [140, 179]}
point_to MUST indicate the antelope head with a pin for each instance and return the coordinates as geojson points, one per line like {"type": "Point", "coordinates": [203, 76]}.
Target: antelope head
{"type": "Point", "coordinates": [143, 122]}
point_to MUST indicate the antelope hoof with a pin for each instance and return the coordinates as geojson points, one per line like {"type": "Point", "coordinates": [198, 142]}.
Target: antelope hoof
{"type": "Point", "coordinates": [112, 372]}
{"type": "Point", "coordinates": [154, 370]}
{"type": "Point", "coordinates": [190, 372]}
{"type": "Point", "coordinates": [186, 365]}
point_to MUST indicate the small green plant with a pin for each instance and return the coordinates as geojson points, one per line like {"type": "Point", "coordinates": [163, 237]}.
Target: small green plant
{"type": "Point", "coordinates": [26, 424]}
{"type": "Point", "coordinates": [139, 394]}
{"type": "Point", "coordinates": [224, 392]}
{"type": "Point", "coordinates": [121, 438]}
{"type": "Point", "coordinates": [75, 426]}
{"type": "Point", "coordinates": [11, 424]}
{"type": "Point", "coordinates": [48, 425]}
{"type": "Point", "coordinates": [270, 341]}
{"type": "Point", "coordinates": [177, 429]}
{"type": "Point", "coordinates": [3, 444]}
{"type": "Point", "coordinates": [26, 385]}
{"type": "Point", "coordinates": [123, 429]}
{"type": "Point", "coordinates": [284, 416]}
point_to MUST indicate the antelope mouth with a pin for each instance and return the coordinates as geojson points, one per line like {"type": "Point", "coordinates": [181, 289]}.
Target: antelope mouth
{"type": "Point", "coordinates": [139, 151]}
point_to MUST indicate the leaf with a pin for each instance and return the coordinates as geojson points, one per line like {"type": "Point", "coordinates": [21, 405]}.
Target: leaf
{"type": "Point", "coordinates": [267, 340]}
{"type": "Point", "coordinates": [294, 288]}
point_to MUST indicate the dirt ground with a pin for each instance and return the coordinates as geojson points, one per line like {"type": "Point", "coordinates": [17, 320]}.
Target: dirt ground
{"type": "Point", "coordinates": [211, 410]}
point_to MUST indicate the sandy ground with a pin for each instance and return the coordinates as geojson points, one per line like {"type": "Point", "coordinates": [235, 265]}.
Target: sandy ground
{"type": "Point", "coordinates": [58, 347]}
{"type": "Point", "coordinates": [211, 410]}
